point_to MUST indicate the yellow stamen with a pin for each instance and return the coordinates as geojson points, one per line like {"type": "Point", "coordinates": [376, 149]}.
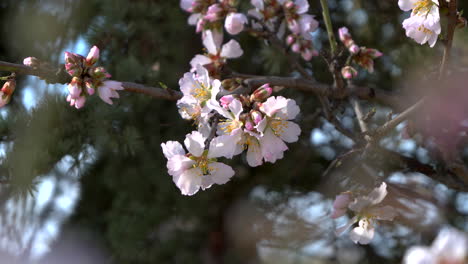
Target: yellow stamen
{"type": "Point", "coordinates": [423, 6]}
{"type": "Point", "coordinates": [278, 126]}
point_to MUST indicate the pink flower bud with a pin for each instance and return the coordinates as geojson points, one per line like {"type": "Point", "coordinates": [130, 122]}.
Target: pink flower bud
{"type": "Point", "coordinates": [290, 39]}
{"type": "Point", "coordinates": [200, 25]}
{"type": "Point", "coordinates": [249, 125]}
{"type": "Point", "coordinates": [226, 100]}
{"type": "Point", "coordinates": [307, 54]}
{"type": "Point", "coordinates": [354, 49]}
{"type": "Point", "coordinates": [261, 93]}
{"type": "Point", "coordinates": [234, 23]}
{"type": "Point", "coordinates": [99, 73]}
{"type": "Point", "coordinates": [214, 13]}
{"type": "Point", "coordinates": [89, 86]}
{"type": "Point", "coordinates": [344, 34]}
{"type": "Point", "coordinates": [92, 57]}
{"type": "Point", "coordinates": [9, 87]}
{"type": "Point", "coordinates": [73, 58]}
{"type": "Point", "coordinates": [373, 53]}
{"type": "Point", "coordinates": [296, 47]}
{"type": "Point", "coordinates": [349, 72]}
{"type": "Point", "coordinates": [74, 88]}
{"type": "Point", "coordinates": [256, 116]}
{"type": "Point", "coordinates": [31, 62]}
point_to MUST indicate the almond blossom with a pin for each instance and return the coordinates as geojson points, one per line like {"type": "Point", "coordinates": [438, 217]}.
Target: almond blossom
{"type": "Point", "coordinates": [368, 209]}
{"type": "Point", "coordinates": [234, 23]}
{"type": "Point", "coordinates": [216, 55]}
{"type": "Point", "coordinates": [275, 127]}
{"type": "Point", "coordinates": [450, 246]}
{"type": "Point", "coordinates": [198, 168]}
{"type": "Point", "coordinates": [267, 11]}
{"type": "Point", "coordinates": [424, 23]}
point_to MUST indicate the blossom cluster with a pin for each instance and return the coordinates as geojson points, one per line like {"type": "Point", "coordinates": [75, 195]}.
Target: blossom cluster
{"type": "Point", "coordinates": [367, 209]}
{"type": "Point", "coordinates": [424, 23]}
{"type": "Point", "coordinates": [86, 78]}
{"type": "Point", "coordinates": [258, 123]}
{"type": "Point", "coordinates": [362, 56]}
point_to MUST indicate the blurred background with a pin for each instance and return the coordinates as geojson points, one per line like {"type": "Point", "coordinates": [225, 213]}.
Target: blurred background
{"type": "Point", "coordinates": [91, 185]}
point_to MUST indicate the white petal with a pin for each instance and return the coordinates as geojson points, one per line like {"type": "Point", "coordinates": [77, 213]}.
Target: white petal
{"type": "Point", "coordinates": [272, 146]}
{"type": "Point", "coordinates": [189, 182]}
{"type": "Point", "coordinates": [178, 164]}
{"type": "Point", "coordinates": [450, 244]}
{"type": "Point", "coordinates": [195, 143]}
{"type": "Point", "coordinates": [290, 133]}
{"type": "Point", "coordinates": [302, 6]}
{"type": "Point", "coordinates": [419, 255]}
{"type": "Point", "coordinates": [209, 43]}
{"type": "Point", "coordinates": [378, 194]}
{"type": "Point", "coordinates": [236, 108]}
{"type": "Point", "coordinates": [254, 153]}
{"type": "Point", "coordinates": [258, 4]}
{"type": "Point", "coordinates": [220, 172]}
{"type": "Point", "coordinates": [172, 148]}
{"type": "Point", "coordinates": [362, 234]}
{"type": "Point", "coordinates": [193, 19]}
{"type": "Point", "coordinates": [199, 59]}
{"type": "Point", "coordinates": [231, 50]}
{"type": "Point", "coordinates": [406, 5]}
{"type": "Point", "coordinates": [273, 104]}
{"type": "Point", "coordinates": [225, 145]}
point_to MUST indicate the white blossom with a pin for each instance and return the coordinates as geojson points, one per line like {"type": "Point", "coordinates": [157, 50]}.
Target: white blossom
{"type": "Point", "coordinates": [423, 25]}
{"type": "Point", "coordinates": [197, 169]}
{"type": "Point", "coordinates": [368, 209]}
{"type": "Point", "coordinates": [450, 246]}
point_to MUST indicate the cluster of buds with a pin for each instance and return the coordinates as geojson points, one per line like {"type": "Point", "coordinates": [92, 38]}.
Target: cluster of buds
{"type": "Point", "coordinates": [362, 56]}
{"type": "Point", "coordinates": [301, 46]}
{"type": "Point", "coordinates": [7, 91]}
{"type": "Point", "coordinates": [267, 11]}
{"type": "Point", "coordinates": [86, 78]}
{"type": "Point", "coordinates": [208, 14]}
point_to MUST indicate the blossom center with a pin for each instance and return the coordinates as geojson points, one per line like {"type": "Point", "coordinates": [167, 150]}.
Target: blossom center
{"type": "Point", "coordinates": [423, 6]}
{"type": "Point", "coordinates": [278, 126]}
{"type": "Point", "coordinates": [425, 30]}
{"type": "Point", "coordinates": [228, 126]}
{"type": "Point", "coordinates": [202, 93]}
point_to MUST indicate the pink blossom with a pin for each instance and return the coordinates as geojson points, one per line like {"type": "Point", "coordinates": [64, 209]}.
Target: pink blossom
{"type": "Point", "coordinates": [93, 56]}
{"type": "Point", "coordinates": [109, 90]}
{"type": "Point", "coordinates": [234, 23]}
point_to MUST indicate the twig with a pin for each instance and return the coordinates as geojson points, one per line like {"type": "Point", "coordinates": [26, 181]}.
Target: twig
{"type": "Point", "coordinates": [452, 23]}
{"type": "Point", "coordinates": [359, 115]}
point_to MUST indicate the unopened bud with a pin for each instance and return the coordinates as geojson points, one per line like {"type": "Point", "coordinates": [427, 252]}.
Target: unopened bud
{"type": "Point", "coordinates": [249, 125]}
{"type": "Point", "coordinates": [31, 62]}
{"type": "Point", "coordinates": [354, 49]}
{"type": "Point", "coordinates": [348, 72]}
{"type": "Point", "coordinates": [213, 13]}
{"type": "Point", "coordinates": [296, 47]}
{"type": "Point", "coordinates": [290, 39]}
{"type": "Point", "coordinates": [9, 87]}
{"type": "Point", "coordinates": [99, 73]}
{"type": "Point", "coordinates": [89, 86]}
{"type": "Point", "coordinates": [262, 93]}
{"type": "Point", "coordinates": [256, 116]}
{"type": "Point", "coordinates": [92, 57]}
{"type": "Point", "coordinates": [74, 88]}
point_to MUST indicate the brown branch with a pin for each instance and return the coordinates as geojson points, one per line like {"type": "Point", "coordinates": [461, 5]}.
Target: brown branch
{"type": "Point", "coordinates": [60, 76]}
{"type": "Point", "coordinates": [452, 24]}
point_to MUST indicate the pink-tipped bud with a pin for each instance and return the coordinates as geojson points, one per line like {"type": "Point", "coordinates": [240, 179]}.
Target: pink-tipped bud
{"type": "Point", "coordinates": [262, 93]}
{"type": "Point", "coordinates": [89, 86]}
{"type": "Point", "coordinates": [307, 54]}
{"type": "Point", "coordinates": [290, 39]}
{"type": "Point", "coordinates": [344, 34]}
{"type": "Point", "coordinates": [9, 87]}
{"type": "Point", "coordinates": [226, 100]}
{"type": "Point", "coordinates": [99, 73]}
{"type": "Point", "coordinates": [73, 58]}
{"type": "Point", "coordinates": [373, 53]}
{"type": "Point", "coordinates": [296, 47]}
{"type": "Point", "coordinates": [249, 125]}
{"type": "Point", "coordinates": [256, 116]}
{"type": "Point", "coordinates": [214, 13]}
{"type": "Point", "coordinates": [354, 49]}
{"type": "Point", "coordinates": [349, 72]}
{"type": "Point", "coordinates": [31, 62]}
{"type": "Point", "coordinates": [200, 25]}
{"type": "Point", "coordinates": [74, 88]}
{"type": "Point", "coordinates": [92, 57]}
